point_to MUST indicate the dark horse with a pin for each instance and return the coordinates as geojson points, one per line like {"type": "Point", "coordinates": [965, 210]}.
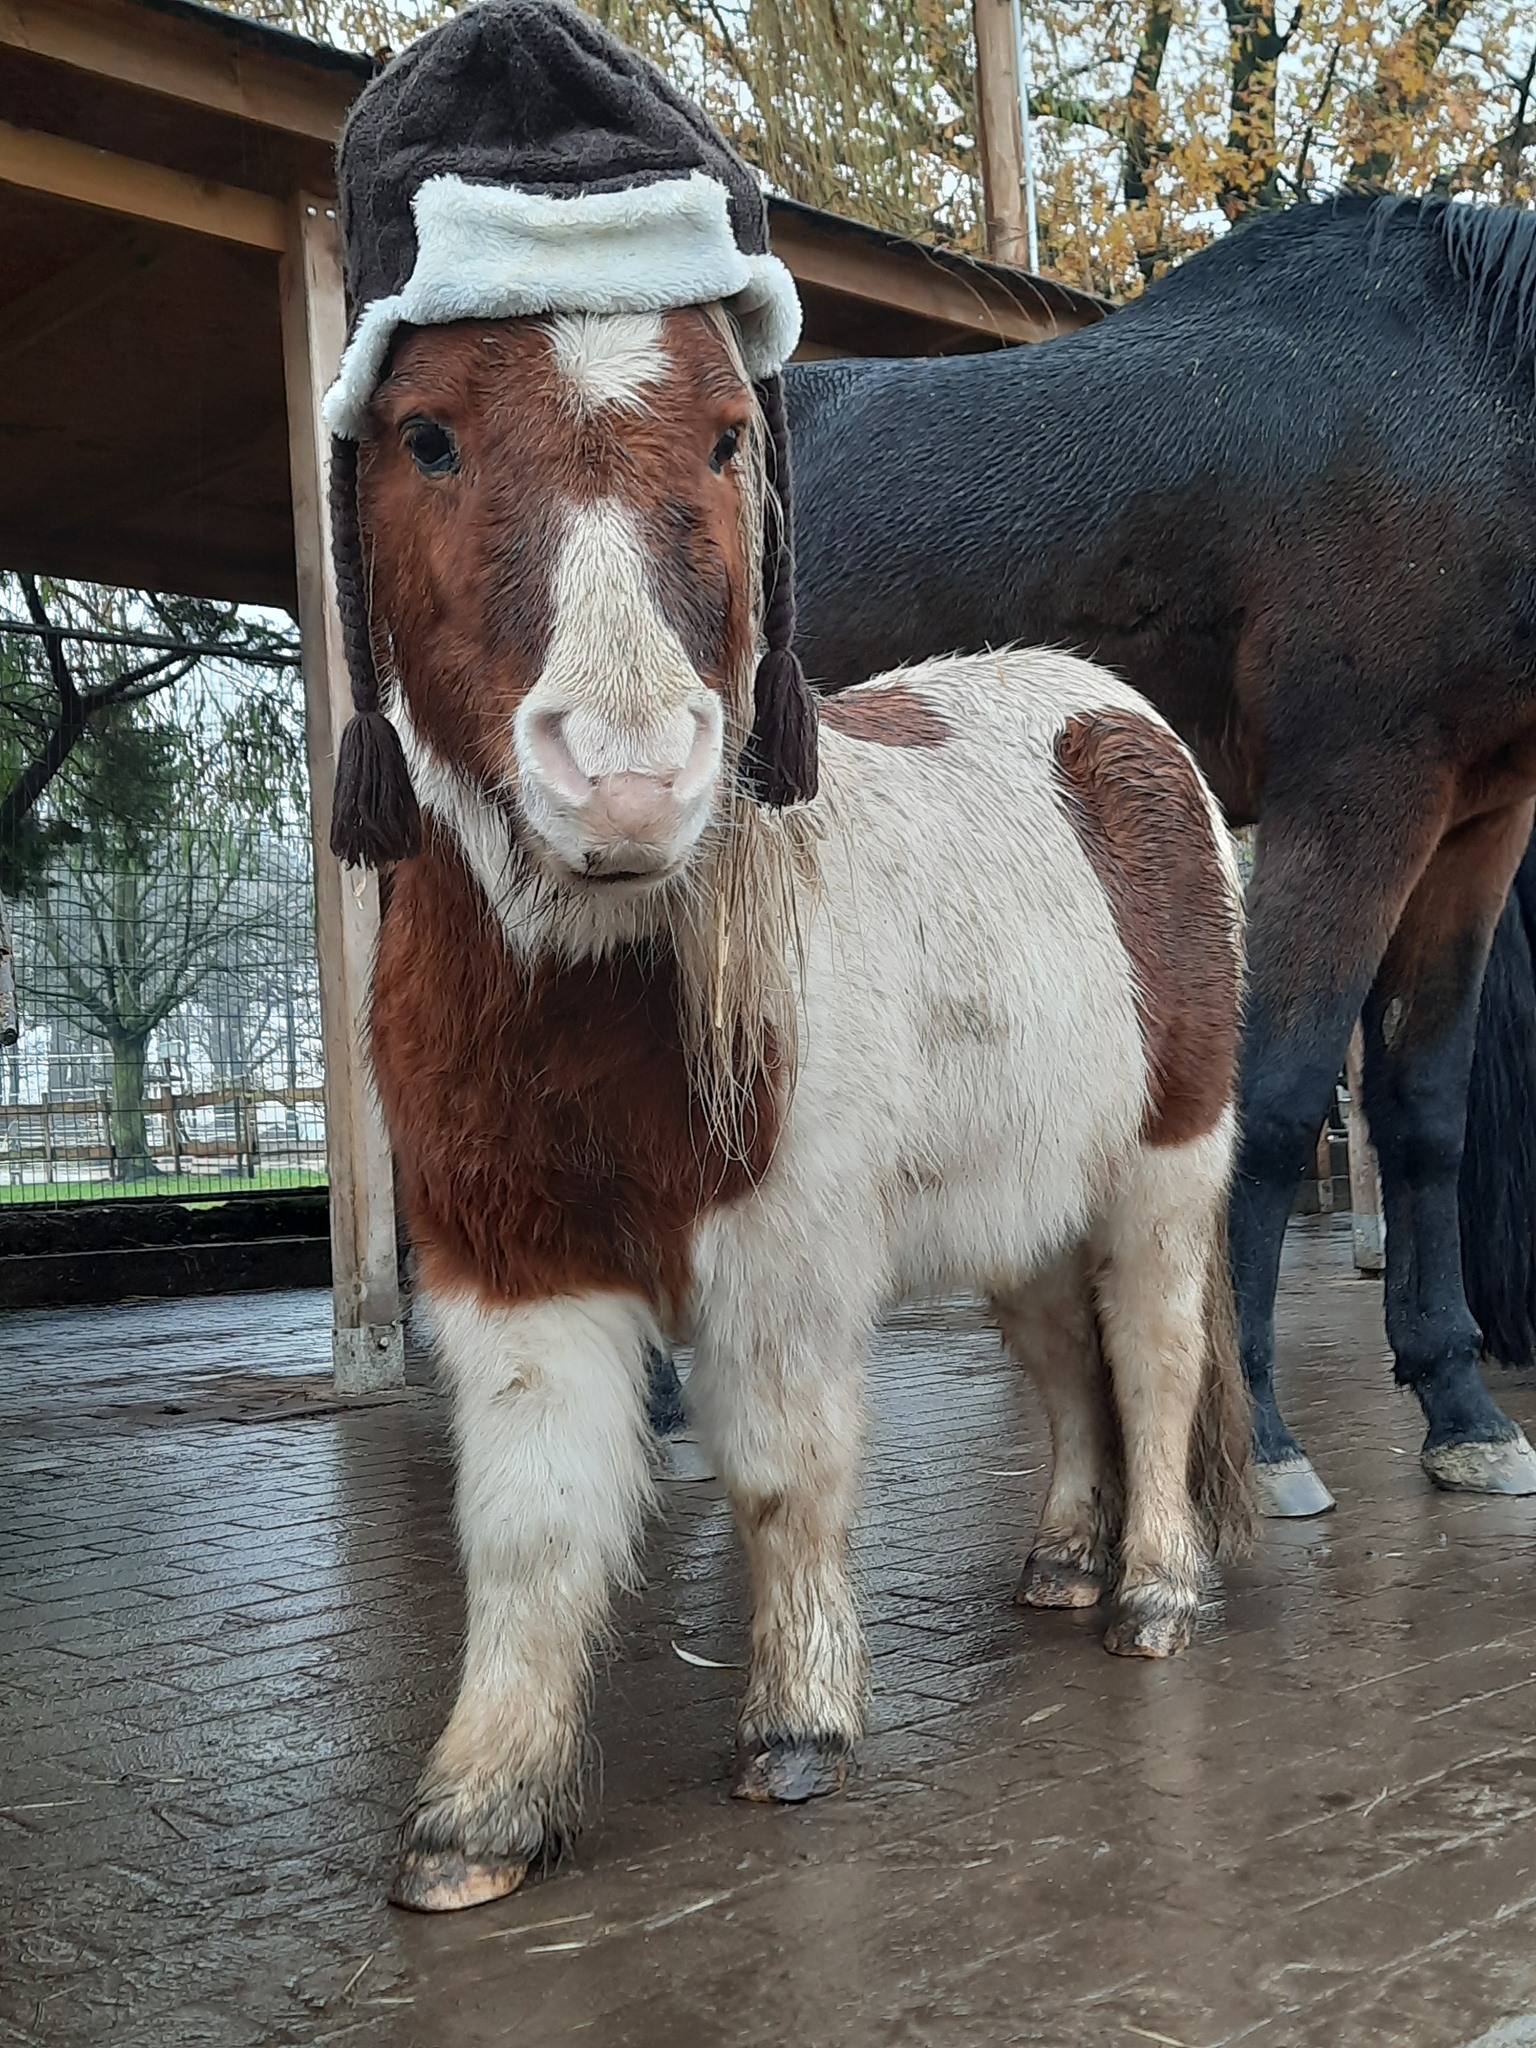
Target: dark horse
{"type": "Point", "coordinates": [1291, 494]}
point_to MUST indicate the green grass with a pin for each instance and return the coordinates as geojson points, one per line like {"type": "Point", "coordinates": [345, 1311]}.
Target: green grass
{"type": "Point", "coordinates": [207, 1190]}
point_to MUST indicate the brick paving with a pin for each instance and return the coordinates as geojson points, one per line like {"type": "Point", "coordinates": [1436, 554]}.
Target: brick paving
{"type": "Point", "coordinates": [228, 1622]}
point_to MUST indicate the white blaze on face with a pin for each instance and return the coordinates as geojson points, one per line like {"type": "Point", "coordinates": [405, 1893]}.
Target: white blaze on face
{"type": "Point", "coordinates": [618, 743]}
{"type": "Point", "coordinates": [609, 358]}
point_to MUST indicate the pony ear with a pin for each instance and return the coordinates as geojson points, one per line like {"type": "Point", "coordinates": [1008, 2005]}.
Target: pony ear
{"type": "Point", "coordinates": [375, 818]}
{"type": "Point", "coordinates": [779, 761]}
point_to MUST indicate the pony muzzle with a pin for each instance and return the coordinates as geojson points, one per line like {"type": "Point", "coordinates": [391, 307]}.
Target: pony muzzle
{"type": "Point", "coordinates": [614, 805]}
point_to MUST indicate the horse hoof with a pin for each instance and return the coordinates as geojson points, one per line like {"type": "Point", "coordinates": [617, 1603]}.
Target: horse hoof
{"type": "Point", "coordinates": [444, 1881]}
{"type": "Point", "coordinates": [1291, 1490]}
{"type": "Point", "coordinates": [1058, 1582]}
{"type": "Point", "coordinates": [1508, 1467]}
{"type": "Point", "coordinates": [789, 1773]}
{"type": "Point", "coordinates": [1160, 1630]}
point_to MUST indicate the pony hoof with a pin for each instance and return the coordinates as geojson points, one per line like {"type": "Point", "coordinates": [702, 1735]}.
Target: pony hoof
{"type": "Point", "coordinates": [445, 1881]}
{"type": "Point", "coordinates": [1508, 1467]}
{"type": "Point", "coordinates": [1058, 1582]}
{"type": "Point", "coordinates": [787, 1773]}
{"type": "Point", "coordinates": [1290, 1491]}
{"type": "Point", "coordinates": [1156, 1630]}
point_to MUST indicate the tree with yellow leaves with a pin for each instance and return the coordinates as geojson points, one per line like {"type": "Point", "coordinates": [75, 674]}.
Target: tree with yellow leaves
{"type": "Point", "coordinates": [1157, 122]}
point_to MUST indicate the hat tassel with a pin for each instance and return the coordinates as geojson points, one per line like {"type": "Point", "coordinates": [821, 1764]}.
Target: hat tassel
{"type": "Point", "coordinates": [780, 756]}
{"type": "Point", "coordinates": [375, 818]}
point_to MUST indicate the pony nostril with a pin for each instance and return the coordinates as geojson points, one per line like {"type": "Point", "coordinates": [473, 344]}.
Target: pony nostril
{"type": "Point", "coordinates": [696, 773]}
{"type": "Point", "coordinates": [552, 756]}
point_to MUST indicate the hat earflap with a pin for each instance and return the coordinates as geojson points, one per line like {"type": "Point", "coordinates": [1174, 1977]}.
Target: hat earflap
{"type": "Point", "coordinates": [375, 818]}
{"type": "Point", "coordinates": [779, 761]}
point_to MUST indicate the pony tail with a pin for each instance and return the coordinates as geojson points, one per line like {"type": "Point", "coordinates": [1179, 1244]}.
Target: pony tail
{"type": "Point", "coordinates": [779, 763]}
{"type": "Point", "coordinates": [1221, 1482]}
{"type": "Point", "coordinates": [374, 815]}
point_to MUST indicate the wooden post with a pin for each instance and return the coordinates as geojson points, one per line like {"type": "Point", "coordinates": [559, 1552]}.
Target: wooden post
{"type": "Point", "coordinates": [367, 1351]}
{"type": "Point", "coordinates": [1368, 1224]}
{"type": "Point", "coordinates": [10, 1014]}
{"type": "Point", "coordinates": [998, 132]}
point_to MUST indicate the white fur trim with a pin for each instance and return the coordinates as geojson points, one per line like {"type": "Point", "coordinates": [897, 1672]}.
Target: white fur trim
{"type": "Point", "coordinates": [494, 252]}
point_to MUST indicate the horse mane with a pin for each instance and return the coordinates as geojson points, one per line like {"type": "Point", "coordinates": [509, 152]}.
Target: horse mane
{"type": "Point", "coordinates": [1493, 251]}
{"type": "Point", "coordinates": [1490, 252]}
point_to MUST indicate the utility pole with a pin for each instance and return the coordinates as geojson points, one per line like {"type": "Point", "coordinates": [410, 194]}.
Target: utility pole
{"type": "Point", "coordinates": [1007, 169]}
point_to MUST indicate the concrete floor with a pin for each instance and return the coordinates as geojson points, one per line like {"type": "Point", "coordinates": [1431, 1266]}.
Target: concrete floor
{"type": "Point", "coordinates": [230, 1615]}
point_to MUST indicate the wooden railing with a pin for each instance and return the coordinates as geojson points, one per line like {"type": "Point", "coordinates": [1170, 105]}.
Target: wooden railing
{"type": "Point", "coordinates": [74, 1129]}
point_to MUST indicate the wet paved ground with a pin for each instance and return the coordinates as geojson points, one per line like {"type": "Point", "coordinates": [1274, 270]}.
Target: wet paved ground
{"type": "Point", "coordinates": [230, 1615]}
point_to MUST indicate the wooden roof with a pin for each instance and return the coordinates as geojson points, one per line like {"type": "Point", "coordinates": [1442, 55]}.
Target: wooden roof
{"type": "Point", "coordinates": [144, 209]}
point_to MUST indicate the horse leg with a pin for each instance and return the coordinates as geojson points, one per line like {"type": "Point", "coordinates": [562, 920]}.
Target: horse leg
{"type": "Point", "coordinates": [553, 1479]}
{"type": "Point", "coordinates": [666, 1407]}
{"type": "Point", "coordinates": [1420, 1023]}
{"type": "Point", "coordinates": [1329, 884]}
{"type": "Point", "coordinates": [1158, 1240]}
{"type": "Point", "coordinates": [1050, 1328]}
{"type": "Point", "coordinates": [782, 1413]}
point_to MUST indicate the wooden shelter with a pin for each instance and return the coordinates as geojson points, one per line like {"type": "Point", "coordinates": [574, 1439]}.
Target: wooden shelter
{"type": "Point", "coordinates": [171, 312]}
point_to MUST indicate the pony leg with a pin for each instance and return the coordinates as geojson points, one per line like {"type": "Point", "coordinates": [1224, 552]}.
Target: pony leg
{"type": "Point", "coordinates": [1329, 884]}
{"type": "Point", "coordinates": [1158, 1239]}
{"type": "Point", "coordinates": [1420, 1021]}
{"type": "Point", "coordinates": [1050, 1327]}
{"type": "Point", "coordinates": [783, 1416]}
{"type": "Point", "coordinates": [553, 1480]}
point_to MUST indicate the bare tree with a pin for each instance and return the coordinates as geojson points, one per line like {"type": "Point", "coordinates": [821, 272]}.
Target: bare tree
{"type": "Point", "coordinates": [117, 954]}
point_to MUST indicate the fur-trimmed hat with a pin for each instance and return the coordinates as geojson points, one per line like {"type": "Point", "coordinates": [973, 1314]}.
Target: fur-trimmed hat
{"type": "Point", "coordinates": [520, 160]}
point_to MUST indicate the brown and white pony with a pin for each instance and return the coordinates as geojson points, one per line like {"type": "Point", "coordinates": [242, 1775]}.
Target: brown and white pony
{"type": "Point", "coordinates": [662, 1064]}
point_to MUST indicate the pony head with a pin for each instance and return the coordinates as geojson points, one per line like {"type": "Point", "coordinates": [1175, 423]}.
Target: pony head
{"type": "Point", "coordinates": [562, 523]}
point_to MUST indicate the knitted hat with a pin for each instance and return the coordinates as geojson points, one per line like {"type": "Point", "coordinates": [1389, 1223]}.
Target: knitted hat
{"type": "Point", "coordinates": [520, 160]}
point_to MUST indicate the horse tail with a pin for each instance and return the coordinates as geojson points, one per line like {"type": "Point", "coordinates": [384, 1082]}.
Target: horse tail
{"type": "Point", "coordinates": [1220, 1450]}
{"type": "Point", "coordinates": [1498, 1164]}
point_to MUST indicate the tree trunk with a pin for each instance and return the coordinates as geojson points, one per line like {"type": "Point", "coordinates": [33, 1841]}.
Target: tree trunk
{"type": "Point", "coordinates": [1143, 134]}
{"type": "Point", "coordinates": [1250, 180]}
{"type": "Point", "coordinates": [131, 1156]}
{"type": "Point", "coordinates": [1386, 114]}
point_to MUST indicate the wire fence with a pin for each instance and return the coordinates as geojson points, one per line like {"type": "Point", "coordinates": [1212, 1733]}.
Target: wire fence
{"type": "Point", "coordinates": [159, 998]}
{"type": "Point", "coordinates": [114, 1086]}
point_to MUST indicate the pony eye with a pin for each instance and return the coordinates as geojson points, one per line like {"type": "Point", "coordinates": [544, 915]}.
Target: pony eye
{"type": "Point", "coordinates": [433, 449]}
{"type": "Point", "coordinates": [725, 448]}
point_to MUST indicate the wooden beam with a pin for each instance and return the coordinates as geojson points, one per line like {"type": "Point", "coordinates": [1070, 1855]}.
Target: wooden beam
{"type": "Point", "coordinates": [367, 1349]}
{"type": "Point", "coordinates": [211, 67]}
{"type": "Point", "coordinates": [63, 169]}
{"type": "Point", "coordinates": [840, 263]}
{"type": "Point", "coordinates": [1000, 138]}
{"type": "Point", "coordinates": [70, 294]}
{"type": "Point", "coordinates": [186, 566]}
